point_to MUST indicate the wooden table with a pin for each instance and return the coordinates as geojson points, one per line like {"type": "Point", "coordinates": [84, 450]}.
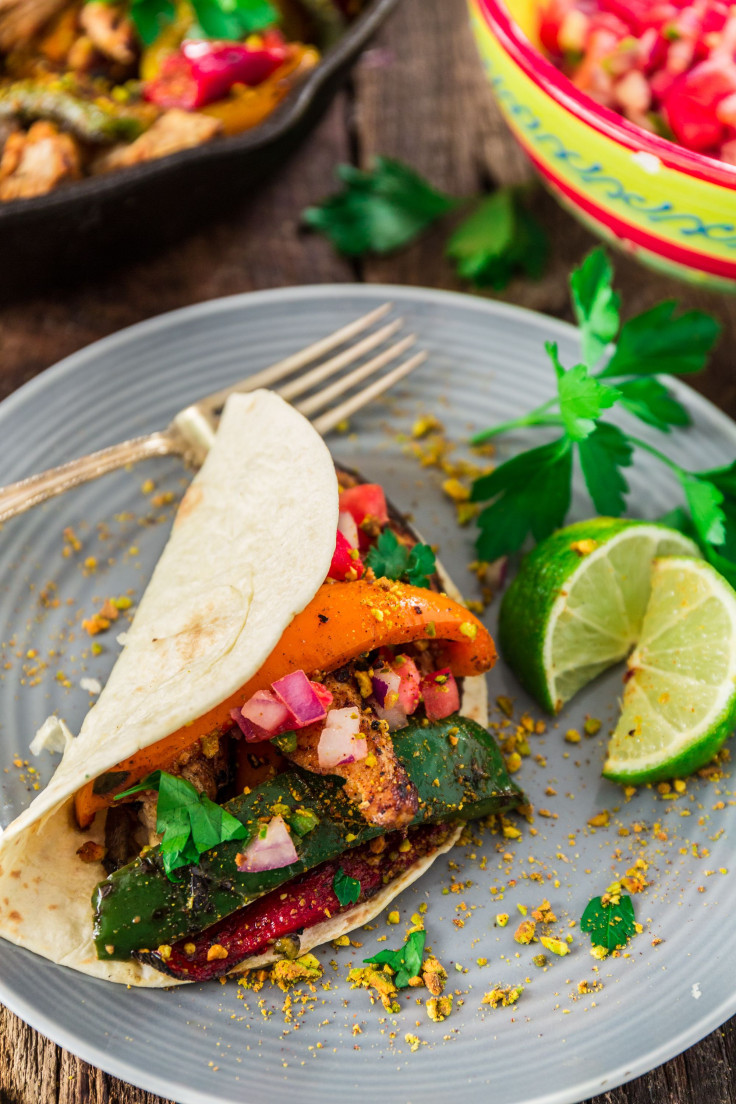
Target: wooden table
{"type": "Point", "coordinates": [418, 94]}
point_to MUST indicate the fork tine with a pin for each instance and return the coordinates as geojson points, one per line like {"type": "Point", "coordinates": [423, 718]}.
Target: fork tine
{"type": "Point", "coordinates": [304, 356]}
{"type": "Point", "coordinates": [310, 379]}
{"type": "Point", "coordinates": [331, 418]}
{"type": "Point", "coordinates": [345, 383]}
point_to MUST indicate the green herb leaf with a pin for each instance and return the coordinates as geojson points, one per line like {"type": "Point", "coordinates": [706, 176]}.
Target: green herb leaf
{"type": "Point", "coordinates": [582, 398]}
{"type": "Point", "coordinates": [655, 343]}
{"type": "Point", "coordinates": [188, 821]}
{"type": "Point", "coordinates": [150, 17]}
{"type": "Point", "coordinates": [610, 925]}
{"type": "Point", "coordinates": [530, 493]}
{"type": "Point", "coordinates": [704, 500]}
{"type": "Point", "coordinates": [347, 889]}
{"type": "Point", "coordinates": [421, 565]}
{"type": "Point", "coordinates": [390, 559]}
{"type": "Point", "coordinates": [596, 305]}
{"type": "Point", "coordinates": [649, 400]}
{"type": "Point", "coordinates": [498, 240]}
{"type": "Point", "coordinates": [406, 962]}
{"type": "Point", "coordinates": [378, 211]}
{"type": "Point", "coordinates": [602, 455]}
{"type": "Point", "coordinates": [222, 19]}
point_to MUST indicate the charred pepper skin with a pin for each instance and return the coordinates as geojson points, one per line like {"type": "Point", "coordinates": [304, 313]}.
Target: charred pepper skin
{"type": "Point", "coordinates": [137, 908]}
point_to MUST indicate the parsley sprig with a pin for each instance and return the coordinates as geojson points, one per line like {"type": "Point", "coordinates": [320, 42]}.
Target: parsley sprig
{"type": "Point", "coordinates": [406, 962]}
{"type": "Point", "coordinates": [347, 889]}
{"type": "Point", "coordinates": [188, 821]}
{"type": "Point", "coordinates": [384, 208]}
{"type": "Point", "coordinates": [620, 367]}
{"type": "Point", "coordinates": [610, 920]}
{"type": "Point", "coordinates": [228, 19]}
{"type": "Point", "coordinates": [390, 559]}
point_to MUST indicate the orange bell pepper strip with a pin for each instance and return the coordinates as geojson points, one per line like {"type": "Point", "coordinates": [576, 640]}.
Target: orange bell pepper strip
{"type": "Point", "coordinates": [343, 621]}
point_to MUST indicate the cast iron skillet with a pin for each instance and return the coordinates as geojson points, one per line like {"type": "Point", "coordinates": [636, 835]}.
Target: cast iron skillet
{"type": "Point", "coordinates": [81, 228]}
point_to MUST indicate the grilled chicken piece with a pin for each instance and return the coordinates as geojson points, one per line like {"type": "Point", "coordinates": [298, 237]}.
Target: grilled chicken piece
{"type": "Point", "coordinates": [175, 130]}
{"type": "Point", "coordinates": [378, 784]}
{"type": "Point", "coordinates": [110, 30]}
{"type": "Point", "coordinates": [35, 162]}
{"type": "Point", "coordinates": [21, 20]}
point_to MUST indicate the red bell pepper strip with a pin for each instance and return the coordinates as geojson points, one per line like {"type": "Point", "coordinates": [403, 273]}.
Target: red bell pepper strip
{"type": "Point", "coordinates": [201, 72]}
{"type": "Point", "coordinates": [301, 903]}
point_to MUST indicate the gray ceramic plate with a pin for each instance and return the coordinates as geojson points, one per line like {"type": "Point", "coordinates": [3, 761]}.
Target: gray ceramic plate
{"type": "Point", "coordinates": [205, 1044]}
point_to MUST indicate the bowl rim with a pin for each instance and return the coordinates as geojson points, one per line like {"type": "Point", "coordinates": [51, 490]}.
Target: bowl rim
{"type": "Point", "coordinates": [603, 119]}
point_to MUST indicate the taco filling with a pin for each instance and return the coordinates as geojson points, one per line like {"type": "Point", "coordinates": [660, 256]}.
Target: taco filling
{"type": "Point", "coordinates": [294, 805]}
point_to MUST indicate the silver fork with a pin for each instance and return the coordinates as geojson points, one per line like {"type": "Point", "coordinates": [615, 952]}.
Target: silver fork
{"type": "Point", "coordinates": [192, 430]}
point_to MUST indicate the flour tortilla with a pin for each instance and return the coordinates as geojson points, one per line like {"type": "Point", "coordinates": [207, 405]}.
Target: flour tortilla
{"type": "Point", "coordinates": [226, 586]}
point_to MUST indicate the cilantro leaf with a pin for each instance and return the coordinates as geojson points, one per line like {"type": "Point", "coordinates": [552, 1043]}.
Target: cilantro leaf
{"type": "Point", "coordinates": [188, 821]}
{"type": "Point", "coordinates": [602, 455]}
{"type": "Point", "coordinates": [656, 342]}
{"type": "Point", "coordinates": [530, 493]}
{"type": "Point", "coordinates": [390, 559]}
{"type": "Point", "coordinates": [406, 962]}
{"type": "Point", "coordinates": [377, 211]}
{"type": "Point", "coordinates": [610, 925]}
{"type": "Point", "coordinates": [648, 399]}
{"type": "Point", "coordinates": [499, 239]}
{"type": "Point", "coordinates": [227, 19]}
{"type": "Point", "coordinates": [704, 500]}
{"type": "Point", "coordinates": [581, 396]}
{"type": "Point", "coordinates": [150, 17]}
{"type": "Point", "coordinates": [234, 19]}
{"type": "Point", "coordinates": [596, 304]}
{"type": "Point", "coordinates": [421, 565]}
{"type": "Point", "coordinates": [347, 889]}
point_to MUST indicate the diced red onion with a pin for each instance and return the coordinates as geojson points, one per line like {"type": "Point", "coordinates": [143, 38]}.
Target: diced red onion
{"type": "Point", "coordinates": [274, 850]}
{"type": "Point", "coordinates": [385, 682]}
{"type": "Point", "coordinates": [441, 695]}
{"type": "Point", "coordinates": [264, 716]}
{"type": "Point", "coordinates": [348, 526]}
{"type": "Point", "coordinates": [322, 693]}
{"type": "Point", "coordinates": [386, 691]}
{"type": "Point", "coordinates": [341, 741]}
{"type": "Point", "coordinates": [300, 698]}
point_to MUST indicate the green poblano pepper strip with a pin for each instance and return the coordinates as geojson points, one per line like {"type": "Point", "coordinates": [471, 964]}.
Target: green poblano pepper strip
{"type": "Point", "coordinates": [93, 121]}
{"type": "Point", "coordinates": [473, 782]}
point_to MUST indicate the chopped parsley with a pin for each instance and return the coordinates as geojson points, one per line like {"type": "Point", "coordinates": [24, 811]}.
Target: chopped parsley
{"type": "Point", "coordinates": [227, 19]}
{"type": "Point", "coordinates": [386, 207]}
{"type": "Point", "coordinates": [347, 889]}
{"type": "Point", "coordinates": [610, 920]}
{"type": "Point", "coordinates": [390, 559]}
{"type": "Point", "coordinates": [188, 821]}
{"type": "Point", "coordinates": [406, 963]}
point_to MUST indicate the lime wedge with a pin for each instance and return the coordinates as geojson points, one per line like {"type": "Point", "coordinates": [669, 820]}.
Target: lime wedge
{"type": "Point", "coordinates": [577, 605]}
{"type": "Point", "coordinates": [680, 695]}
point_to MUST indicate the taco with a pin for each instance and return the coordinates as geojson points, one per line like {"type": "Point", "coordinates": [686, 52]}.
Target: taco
{"type": "Point", "coordinates": [288, 738]}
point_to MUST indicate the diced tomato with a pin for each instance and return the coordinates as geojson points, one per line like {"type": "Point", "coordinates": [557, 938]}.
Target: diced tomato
{"type": "Point", "coordinates": [690, 105]}
{"type": "Point", "coordinates": [346, 563]}
{"type": "Point", "coordinates": [365, 500]}
{"type": "Point", "coordinates": [667, 60]}
{"type": "Point", "coordinates": [440, 694]}
{"type": "Point", "coordinates": [552, 16]}
{"type": "Point", "coordinates": [411, 680]}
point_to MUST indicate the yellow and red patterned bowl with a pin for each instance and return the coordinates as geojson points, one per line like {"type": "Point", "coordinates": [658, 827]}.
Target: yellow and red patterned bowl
{"type": "Point", "coordinates": [670, 207]}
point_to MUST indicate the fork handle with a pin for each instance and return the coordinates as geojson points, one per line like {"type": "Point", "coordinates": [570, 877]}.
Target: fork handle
{"type": "Point", "coordinates": [16, 498]}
